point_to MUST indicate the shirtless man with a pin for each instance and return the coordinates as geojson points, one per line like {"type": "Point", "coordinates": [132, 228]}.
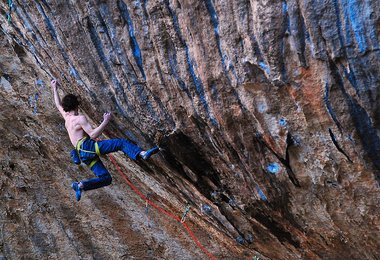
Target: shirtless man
{"type": "Point", "coordinates": [82, 136]}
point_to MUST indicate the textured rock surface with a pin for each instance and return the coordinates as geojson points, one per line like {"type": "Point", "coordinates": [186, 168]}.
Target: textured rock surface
{"type": "Point", "coordinates": [267, 111]}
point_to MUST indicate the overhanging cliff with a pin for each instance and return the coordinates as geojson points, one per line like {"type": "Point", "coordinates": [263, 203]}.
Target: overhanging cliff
{"type": "Point", "coordinates": [267, 113]}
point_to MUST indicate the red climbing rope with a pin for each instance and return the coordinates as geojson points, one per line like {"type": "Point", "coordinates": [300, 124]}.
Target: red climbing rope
{"type": "Point", "coordinates": [161, 209]}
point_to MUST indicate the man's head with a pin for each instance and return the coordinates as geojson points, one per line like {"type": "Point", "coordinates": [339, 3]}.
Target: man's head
{"type": "Point", "coordinates": [70, 102]}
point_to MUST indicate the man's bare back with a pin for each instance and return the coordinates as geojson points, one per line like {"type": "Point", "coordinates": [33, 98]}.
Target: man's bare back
{"type": "Point", "coordinates": [73, 124]}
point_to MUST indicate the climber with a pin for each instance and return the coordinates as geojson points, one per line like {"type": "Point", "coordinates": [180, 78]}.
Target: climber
{"type": "Point", "coordinates": [87, 150]}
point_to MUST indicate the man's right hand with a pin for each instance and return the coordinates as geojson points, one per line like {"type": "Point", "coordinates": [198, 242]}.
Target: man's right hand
{"type": "Point", "coordinates": [107, 117]}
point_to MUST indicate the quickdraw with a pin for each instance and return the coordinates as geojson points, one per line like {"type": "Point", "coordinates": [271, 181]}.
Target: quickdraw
{"type": "Point", "coordinates": [184, 214]}
{"type": "Point", "coordinates": [147, 203]}
{"type": "Point", "coordinates": [10, 4]}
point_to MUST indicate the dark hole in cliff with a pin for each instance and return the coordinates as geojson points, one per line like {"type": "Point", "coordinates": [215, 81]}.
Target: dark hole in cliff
{"type": "Point", "coordinates": [3, 13]}
{"type": "Point", "coordinates": [13, 216]}
{"type": "Point", "coordinates": [22, 189]}
{"type": "Point", "coordinates": [12, 166]}
{"type": "Point", "coordinates": [276, 229]}
{"type": "Point", "coordinates": [179, 5]}
{"type": "Point", "coordinates": [184, 156]}
{"type": "Point", "coordinates": [6, 76]}
{"type": "Point", "coordinates": [19, 51]}
{"type": "Point", "coordinates": [254, 73]}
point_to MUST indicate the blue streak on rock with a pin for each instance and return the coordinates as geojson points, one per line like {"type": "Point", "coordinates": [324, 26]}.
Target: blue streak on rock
{"type": "Point", "coordinates": [50, 27]}
{"type": "Point", "coordinates": [73, 72]}
{"type": "Point", "coordinates": [307, 34]}
{"type": "Point", "coordinates": [30, 25]}
{"type": "Point", "coordinates": [215, 23]}
{"type": "Point", "coordinates": [26, 21]}
{"type": "Point", "coordinates": [338, 22]}
{"type": "Point", "coordinates": [99, 49]}
{"type": "Point", "coordinates": [98, 46]}
{"type": "Point", "coordinates": [284, 7]}
{"type": "Point", "coordinates": [347, 27]}
{"type": "Point", "coordinates": [256, 48]}
{"type": "Point", "coordinates": [197, 82]}
{"type": "Point", "coordinates": [132, 39]}
{"type": "Point", "coordinates": [264, 67]}
{"type": "Point", "coordinates": [261, 193]}
{"type": "Point", "coordinates": [119, 108]}
{"type": "Point", "coordinates": [357, 24]}
{"type": "Point", "coordinates": [142, 93]}
{"type": "Point", "coordinates": [286, 14]}
{"type": "Point", "coordinates": [53, 34]}
{"type": "Point", "coordinates": [110, 30]}
{"type": "Point", "coordinates": [173, 64]}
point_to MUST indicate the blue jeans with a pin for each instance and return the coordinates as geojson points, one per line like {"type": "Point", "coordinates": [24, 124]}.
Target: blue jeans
{"type": "Point", "coordinates": [106, 146]}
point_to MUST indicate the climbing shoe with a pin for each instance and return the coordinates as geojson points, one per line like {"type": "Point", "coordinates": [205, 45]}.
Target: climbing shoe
{"type": "Point", "coordinates": [78, 191]}
{"type": "Point", "coordinates": [147, 154]}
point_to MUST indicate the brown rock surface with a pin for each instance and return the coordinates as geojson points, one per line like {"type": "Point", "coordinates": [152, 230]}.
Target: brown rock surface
{"type": "Point", "coordinates": [267, 113]}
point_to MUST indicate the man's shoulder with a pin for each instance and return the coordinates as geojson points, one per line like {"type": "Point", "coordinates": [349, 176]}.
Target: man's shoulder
{"type": "Point", "coordinates": [81, 118]}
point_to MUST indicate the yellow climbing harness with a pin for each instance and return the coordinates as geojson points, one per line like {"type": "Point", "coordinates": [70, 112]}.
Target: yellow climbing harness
{"type": "Point", "coordinates": [97, 152]}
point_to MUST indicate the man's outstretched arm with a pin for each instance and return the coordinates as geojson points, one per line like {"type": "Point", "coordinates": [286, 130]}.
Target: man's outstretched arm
{"type": "Point", "coordinates": [57, 99]}
{"type": "Point", "coordinates": [95, 133]}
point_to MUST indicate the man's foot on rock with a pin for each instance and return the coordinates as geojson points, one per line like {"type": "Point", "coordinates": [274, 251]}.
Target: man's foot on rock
{"type": "Point", "coordinates": [77, 189]}
{"type": "Point", "coordinates": [147, 154]}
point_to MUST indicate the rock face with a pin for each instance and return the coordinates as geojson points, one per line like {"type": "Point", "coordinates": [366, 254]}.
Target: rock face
{"type": "Point", "coordinates": [267, 113]}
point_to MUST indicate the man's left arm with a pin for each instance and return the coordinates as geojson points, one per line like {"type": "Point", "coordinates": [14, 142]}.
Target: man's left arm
{"type": "Point", "coordinates": [95, 133]}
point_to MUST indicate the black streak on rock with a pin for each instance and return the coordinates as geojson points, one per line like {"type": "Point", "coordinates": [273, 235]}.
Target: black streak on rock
{"type": "Point", "coordinates": [337, 145]}
{"type": "Point", "coordinates": [285, 161]}
{"type": "Point", "coordinates": [276, 229]}
{"type": "Point", "coordinates": [326, 99]}
{"type": "Point", "coordinates": [363, 124]}
{"type": "Point", "coordinates": [181, 150]}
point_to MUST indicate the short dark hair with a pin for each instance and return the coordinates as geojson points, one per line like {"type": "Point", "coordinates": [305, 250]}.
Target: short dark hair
{"type": "Point", "coordinates": [70, 102]}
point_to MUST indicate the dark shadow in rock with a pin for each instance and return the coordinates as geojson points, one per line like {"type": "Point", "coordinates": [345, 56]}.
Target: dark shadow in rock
{"type": "Point", "coordinates": [183, 155]}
